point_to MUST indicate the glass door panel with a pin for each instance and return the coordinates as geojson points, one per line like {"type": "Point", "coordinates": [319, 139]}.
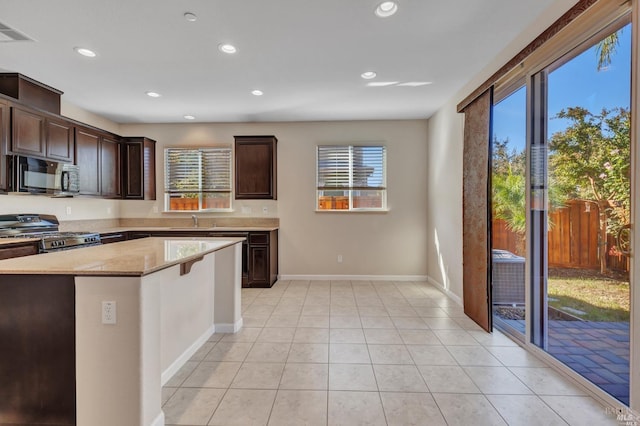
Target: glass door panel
{"type": "Point", "coordinates": [581, 292]}
{"type": "Point", "coordinates": [508, 224]}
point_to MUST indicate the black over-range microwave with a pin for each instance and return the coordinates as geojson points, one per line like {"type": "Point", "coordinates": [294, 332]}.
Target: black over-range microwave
{"type": "Point", "coordinates": [37, 176]}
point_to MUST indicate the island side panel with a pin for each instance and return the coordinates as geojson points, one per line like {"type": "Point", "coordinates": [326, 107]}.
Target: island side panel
{"type": "Point", "coordinates": [37, 363]}
{"type": "Point", "coordinates": [186, 312]}
{"type": "Point", "coordinates": [228, 288]}
{"type": "Point", "coordinates": [118, 365]}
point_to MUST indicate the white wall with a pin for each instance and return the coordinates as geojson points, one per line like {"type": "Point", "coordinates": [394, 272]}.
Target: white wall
{"type": "Point", "coordinates": [79, 208]}
{"type": "Point", "coordinates": [390, 244]}
{"type": "Point", "coordinates": [84, 116]}
{"type": "Point", "coordinates": [444, 221]}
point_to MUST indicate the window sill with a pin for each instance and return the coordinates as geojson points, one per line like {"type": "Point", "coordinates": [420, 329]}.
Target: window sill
{"type": "Point", "coordinates": [200, 211]}
{"type": "Point", "coordinates": [369, 211]}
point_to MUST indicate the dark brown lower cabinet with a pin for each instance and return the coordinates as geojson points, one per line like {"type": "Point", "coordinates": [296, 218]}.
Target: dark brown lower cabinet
{"type": "Point", "coordinates": [262, 259]}
{"type": "Point", "coordinates": [113, 237]}
{"type": "Point", "coordinates": [259, 261]}
{"type": "Point", "coordinates": [7, 251]}
{"type": "Point", "coordinates": [37, 363]}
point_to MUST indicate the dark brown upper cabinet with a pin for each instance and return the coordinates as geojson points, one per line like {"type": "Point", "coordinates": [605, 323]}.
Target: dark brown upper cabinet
{"type": "Point", "coordinates": [110, 162]}
{"type": "Point", "coordinates": [109, 166]}
{"type": "Point", "coordinates": [139, 168]}
{"type": "Point", "coordinates": [35, 134]}
{"type": "Point", "coordinates": [59, 139]}
{"type": "Point", "coordinates": [98, 157]}
{"type": "Point", "coordinates": [4, 141]}
{"type": "Point", "coordinates": [88, 161]}
{"type": "Point", "coordinates": [27, 136]}
{"type": "Point", "coordinates": [256, 167]}
{"type": "Point", "coordinates": [30, 92]}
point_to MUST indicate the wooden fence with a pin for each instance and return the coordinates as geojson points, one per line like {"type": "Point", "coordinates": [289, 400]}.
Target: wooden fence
{"type": "Point", "coordinates": [573, 239]}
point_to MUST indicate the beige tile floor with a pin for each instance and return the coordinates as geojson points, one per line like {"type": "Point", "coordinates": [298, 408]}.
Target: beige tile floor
{"type": "Point", "coordinates": [367, 353]}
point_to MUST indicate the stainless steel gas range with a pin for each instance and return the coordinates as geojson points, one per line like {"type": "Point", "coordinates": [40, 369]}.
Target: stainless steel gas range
{"type": "Point", "coordinates": [46, 229]}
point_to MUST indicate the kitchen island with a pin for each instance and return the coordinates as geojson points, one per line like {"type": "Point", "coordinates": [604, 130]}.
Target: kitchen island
{"type": "Point", "coordinates": [93, 333]}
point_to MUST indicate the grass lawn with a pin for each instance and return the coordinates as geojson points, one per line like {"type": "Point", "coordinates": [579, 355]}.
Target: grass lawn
{"type": "Point", "coordinates": [602, 298]}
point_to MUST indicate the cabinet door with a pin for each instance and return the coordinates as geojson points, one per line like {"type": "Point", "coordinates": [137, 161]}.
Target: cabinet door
{"type": "Point", "coordinates": [149, 169]}
{"type": "Point", "coordinates": [258, 266]}
{"type": "Point", "coordinates": [256, 167]}
{"type": "Point", "coordinates": [19, 250]}
{"type": "Point", "coordinates": [28, 132]}
{"type": "Point", "coordinates": [133, 175]}
{"type": "Point", "coordinates": [59, 139]}
{"type": "Point", "coordinates": [4, 140]}
{"type": "Point", "coordinates": [88, 161]}
{"type": "Point", "coordinates": [139, 172]}
{"type": "Point", "coordinates": [110, 168]}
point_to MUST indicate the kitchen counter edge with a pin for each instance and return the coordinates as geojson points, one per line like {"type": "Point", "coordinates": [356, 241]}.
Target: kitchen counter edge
{"type": "Point", "coordinates": [134, 258]}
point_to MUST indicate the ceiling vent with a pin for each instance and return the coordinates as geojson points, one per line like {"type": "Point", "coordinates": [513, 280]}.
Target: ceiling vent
{"type": "Point", "coordinates": [8, 34]}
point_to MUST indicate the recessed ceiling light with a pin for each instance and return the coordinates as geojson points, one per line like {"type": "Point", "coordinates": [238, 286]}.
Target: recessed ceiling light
{"type": "Point", "coordinates": [85, 52]}
{"type": "Point", "coordinates": [257, 92]}
{"type": "Point", "coordinates": [415, 83]}
{"type": "Point", "coordinates": [153, 94]}
{"type": "Point", "coordinates": [381, 83]}
{"type": "Point", "coordinates": [189, 117]}
{"type": "Point", "coordinates": [227, 48]}
{"type": "Point", "coordinates": [191, 17]}
{"type": "Point", "coordinates": [368, 75]}
{"type": "Point", "coordinates": [386, 9]}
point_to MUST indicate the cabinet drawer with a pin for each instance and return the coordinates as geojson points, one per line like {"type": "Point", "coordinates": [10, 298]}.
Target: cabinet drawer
{"type": "Point", "coordinates": [19, 250]}
{"type": "Point", "coordinates": [258, 238]}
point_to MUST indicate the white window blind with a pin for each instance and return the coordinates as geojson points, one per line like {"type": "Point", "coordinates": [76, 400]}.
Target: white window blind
{"type": "Point", "coordinates": [198, 178]}
{"type": "Point", "coordinates": [351, 177]}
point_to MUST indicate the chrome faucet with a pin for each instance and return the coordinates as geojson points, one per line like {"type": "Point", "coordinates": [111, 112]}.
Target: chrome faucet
{"type": "Point", "coordinates": [195, 220]}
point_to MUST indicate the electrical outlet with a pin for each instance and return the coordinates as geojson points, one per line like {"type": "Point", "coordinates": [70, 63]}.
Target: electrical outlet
{"type": "Point", "coordinates": [339, 258]}
{"type": "Point", "coordinates": [265, 210]}
{"type": "Point", "coordinates": [108, 210]}
{"type": "Point", "coordinates": [108, 312]}
{"type": "Point", "coordinates": [68, 209]}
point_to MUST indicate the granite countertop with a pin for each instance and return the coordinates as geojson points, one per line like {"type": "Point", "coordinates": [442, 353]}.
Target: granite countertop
{"type": "Point", "coordinates": [187, 228]}
{"type": "Point", "coordinates": [127, 258]}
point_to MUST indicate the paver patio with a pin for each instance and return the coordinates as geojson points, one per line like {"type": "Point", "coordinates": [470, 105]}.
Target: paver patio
{"type": "Point", "coordinates": [599, 351]}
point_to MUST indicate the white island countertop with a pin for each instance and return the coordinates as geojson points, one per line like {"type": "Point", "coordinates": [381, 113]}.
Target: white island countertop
{"type": "Point", "coordinates": [127, 258]}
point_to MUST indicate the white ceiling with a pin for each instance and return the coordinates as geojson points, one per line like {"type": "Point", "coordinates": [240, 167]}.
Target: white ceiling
{"type": "Point", "coordinates": [306, 56]}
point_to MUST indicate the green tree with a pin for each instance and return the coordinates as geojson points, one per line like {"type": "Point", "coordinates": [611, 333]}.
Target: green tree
{"type": "Point", "coordinates": [508, 190]}
{"type": "Point", "coordinates": [606, 48]}
{"type": "Point", "coordinates": [590, 160]}
{"type": "Point", "coordinates": [508, 186]}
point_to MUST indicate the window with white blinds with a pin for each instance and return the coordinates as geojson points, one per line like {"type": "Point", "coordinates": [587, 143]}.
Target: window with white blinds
{"type": "Point", "coordinates": [351, 177]}
{"type": "Point", "coordinates": [198, 178]}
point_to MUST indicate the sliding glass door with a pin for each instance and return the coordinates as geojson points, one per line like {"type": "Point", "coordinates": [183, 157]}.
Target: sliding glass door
{"type": "Point", "coordinates": [561, 206]}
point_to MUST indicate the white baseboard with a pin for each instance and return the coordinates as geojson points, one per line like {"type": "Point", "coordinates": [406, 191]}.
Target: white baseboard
{"type": "Point", "coordinates": [186, 355]}
{"type": "Point", "coordinates": [447, 292]}
{"type": "Point", "coordinates": [159, 420]}
{"type": "Point", "coordinates": [229, 328]}
{"type": "Point", "coordinates": [353, 277]}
